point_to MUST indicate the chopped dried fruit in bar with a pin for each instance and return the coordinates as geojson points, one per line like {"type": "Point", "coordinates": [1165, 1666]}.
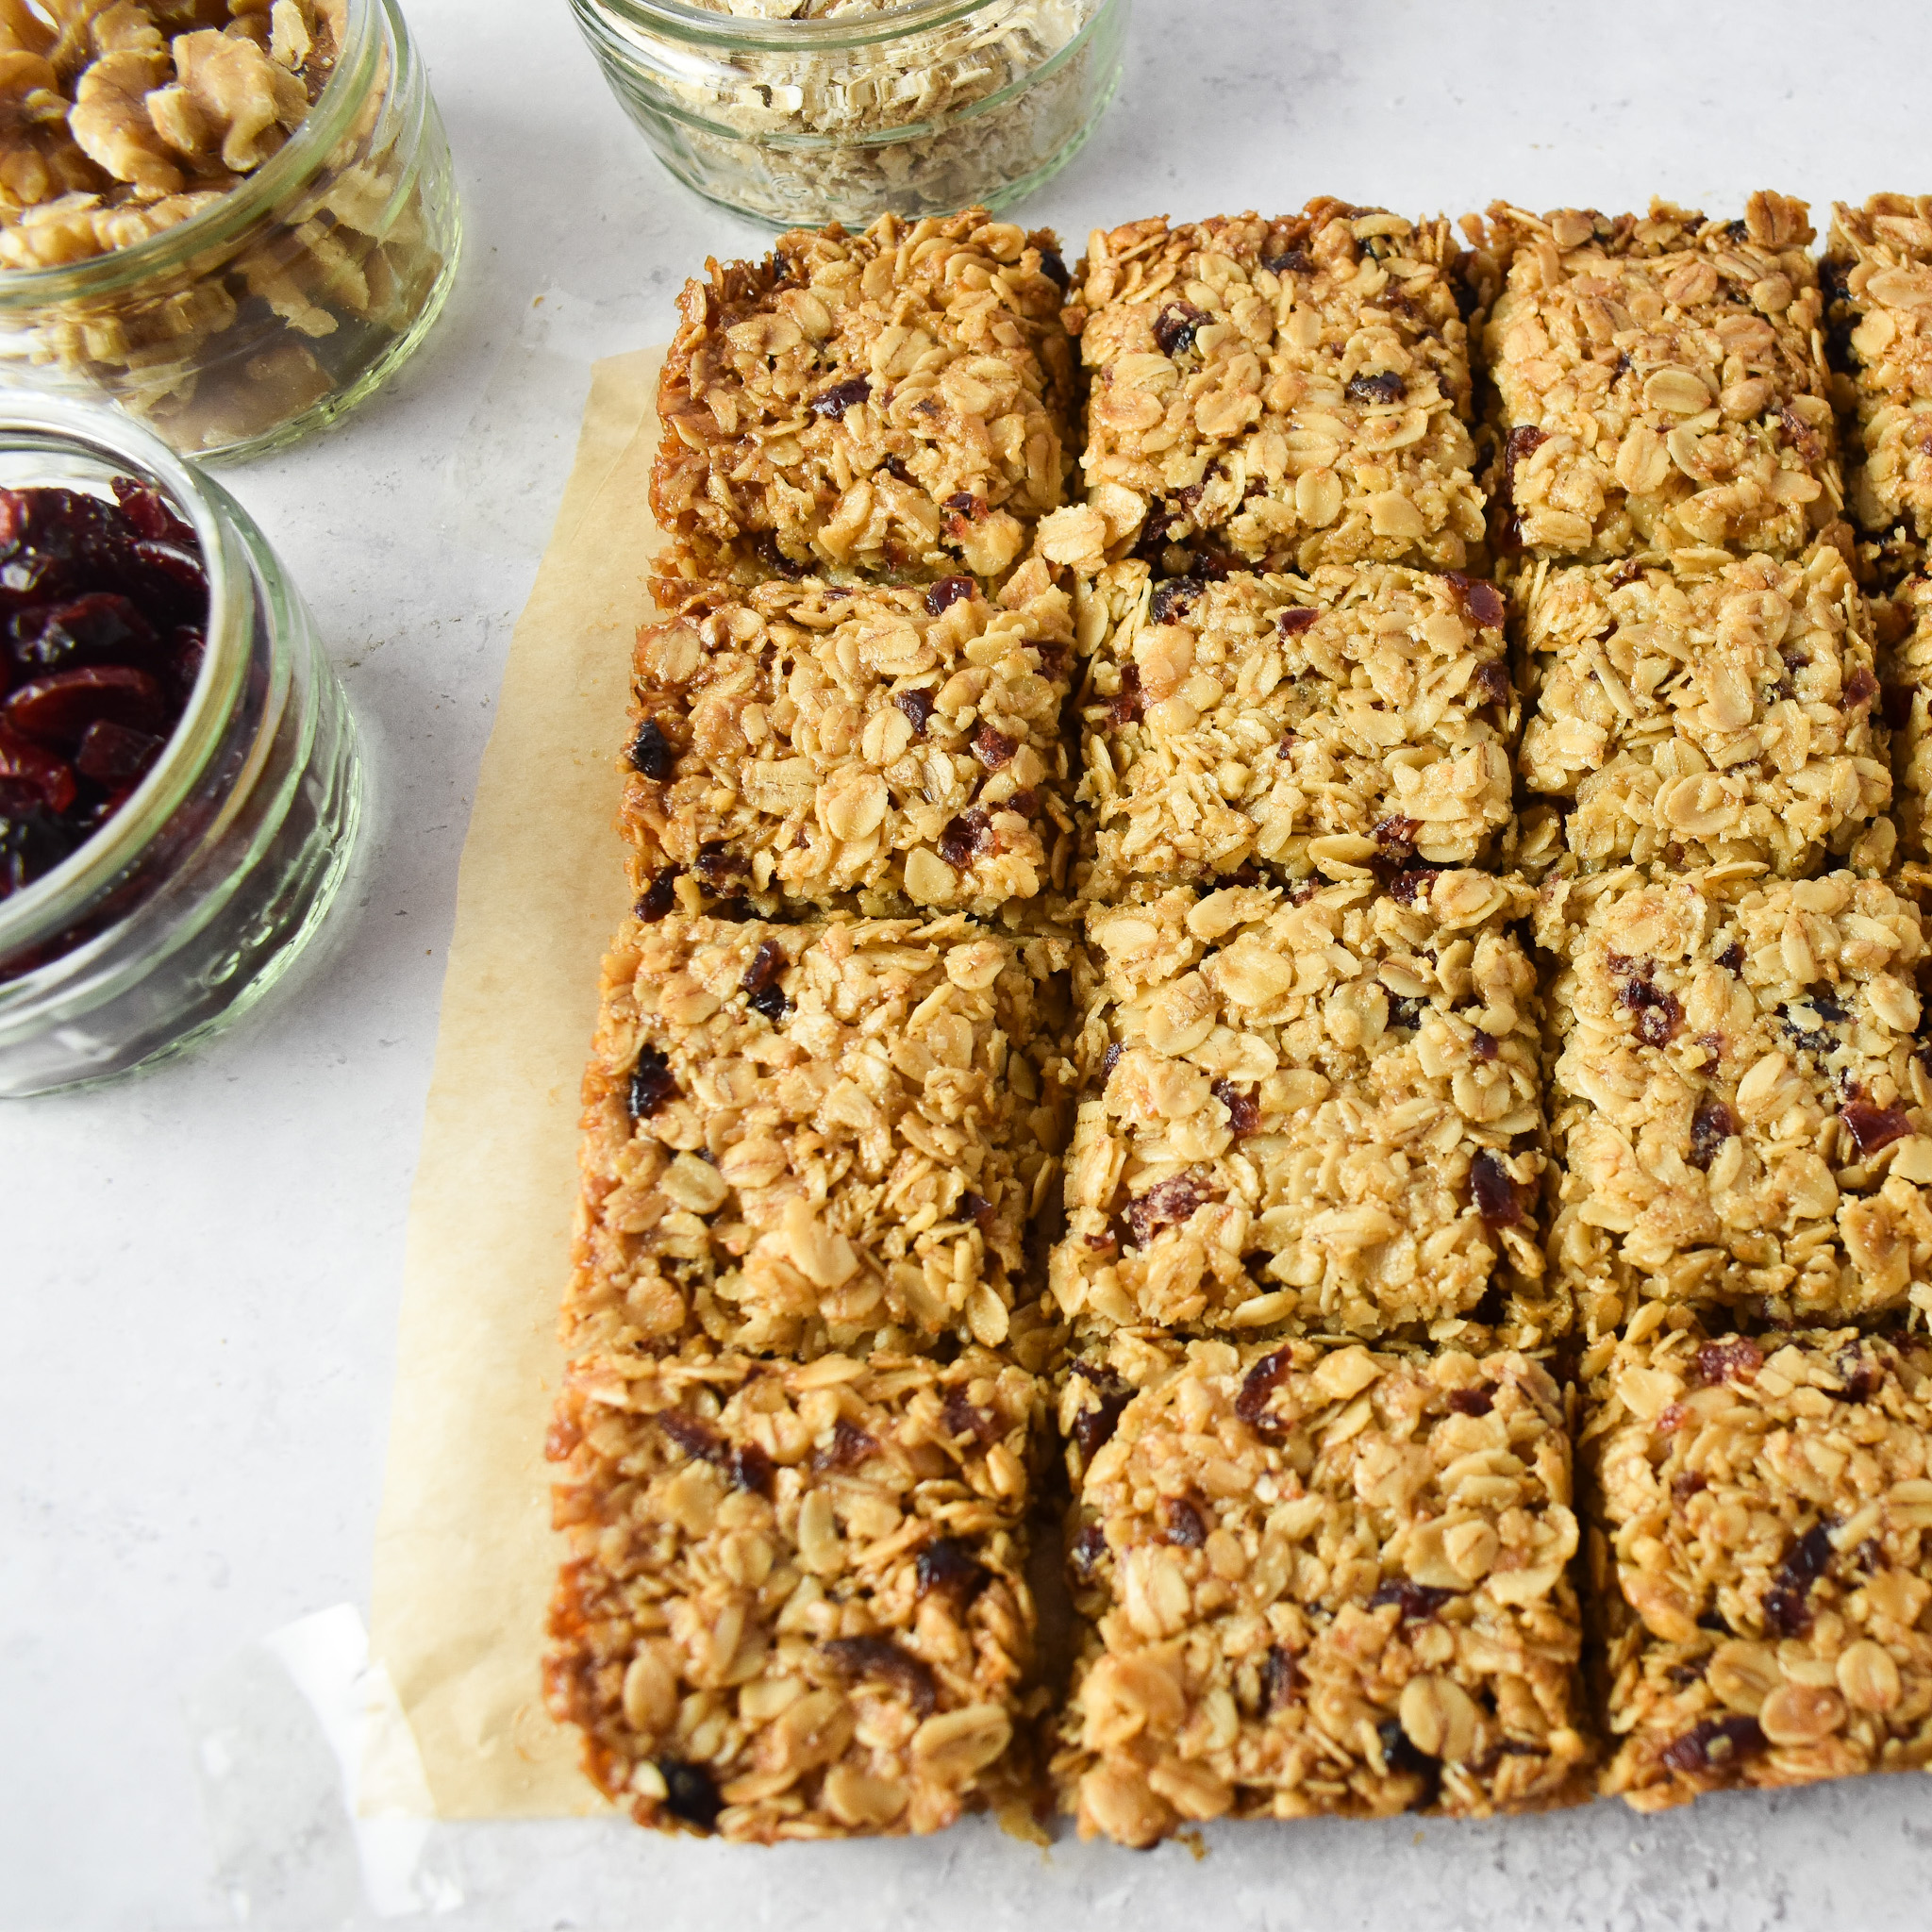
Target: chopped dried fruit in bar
{"type": "Point", "coordinates": [1758, 1555]}
{"type": "Point", "coordinates": [1739, 1095]}
{"type": "Point", "coordinates": [807, 1136]}
{"type": "Point", "coordinates": [1390, 1174]}
{"type": "Point", "coordinates": [1659, 383]}
{"type": "Point", "coordinates": [831, 742]}
{"type": "Point", "coordinates": [1723, 709]}
{"type": "Point", "coordinates": [1281, 393]}
{"type": "Point", "coordinates": [1350, 723]}
{"type": "Point", "coordinates": [795, 1604]}
{"type": "Point", "coordinates": [1375, 1616]}
{"type": "Point", "coordinates": [888, 405]}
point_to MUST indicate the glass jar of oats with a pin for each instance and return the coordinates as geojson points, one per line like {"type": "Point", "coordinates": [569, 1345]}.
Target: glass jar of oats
{"type": "Point", "coordinates": [233, 217]}
{"type": "Point", "coordinates": [799, 112]}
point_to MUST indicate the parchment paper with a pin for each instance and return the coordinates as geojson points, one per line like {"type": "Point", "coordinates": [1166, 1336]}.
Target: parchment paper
{"type": "Point", "coordinates": [464, 1556]}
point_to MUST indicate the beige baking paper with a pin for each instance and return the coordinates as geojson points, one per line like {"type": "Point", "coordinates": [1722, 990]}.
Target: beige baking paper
{"type": "Point", "coordinates": [464, 1556]}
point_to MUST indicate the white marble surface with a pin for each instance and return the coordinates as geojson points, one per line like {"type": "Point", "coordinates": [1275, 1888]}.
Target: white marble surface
{"type": "Point", "coordinates": [199, 1271]}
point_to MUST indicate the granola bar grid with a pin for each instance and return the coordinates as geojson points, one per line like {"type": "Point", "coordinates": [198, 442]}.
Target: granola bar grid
{"type": "Point", "coordinates": [1758, 1557]}
{"type": "Point", "coordinates": [892, 405]}
{"type": "Point", "coordinates": [795, 1603]}
{"type": "Point", "coordinates": [1659, 383]}
{"type": "Point", "coordinates": [1359, 717]}
{"type": "Point", "coordinates": [1318, 1580]}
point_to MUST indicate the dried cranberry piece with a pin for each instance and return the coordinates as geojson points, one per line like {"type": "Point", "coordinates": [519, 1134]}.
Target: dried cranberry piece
{"type": "Point", "coordinates": [1477, 1401]}
{"type": "Point", "coordinates": [1860, 687]}
{"type": "Point", "coordinates": [1522, 442]}
{"type": "Point", "coordinates": [1491, 682]}
{"type": "Point", "coordinates": [767, 963]}
{"type": "Point", "coordinates": [964, 1418]}
{"type": "Point", "coordinates": [1484, 1047]}
{"type": "Point", "coordinates": [949, 591]}
{"type": "Point", "coordinates": [1412, 883]}
{"type": "Point", "coordinates": [895, 468]}
{"type": "Point", "coordinates": [834, 402]}
{"type": "Point", "coordinates": [751, 1469]}
{"type": "Point", "coordinates": [1280, 1678]}
{"type": "Point", "coordinates": [110, 754]}
{"type": "Point", "coordinates": [1292, 623]}
{"type": "Point", "coordinates": [1110, 1061]}
{"type": "Point", "coordinates": [652, 753]}
{"type": "Point", "coordinates": [918, 708]}
{"type": "Point", "coordinates": [1094, 1424]}
{"type": "Point", "coordinates": [978, 1210]}
{"type": "Point", "coordinates": [964, 838]}
{"type": "Point", "coordinates": [651, 1083]}
{"type": "Point", "coordinates": [717, 861]}
{"type": "Point", "coordinates": [1862, 1378]}
{"type": "Point", "coordinates": [992, 747]}
{"type": "Point", "coordinates": [1686, 1484]}
{"type": "Point", "coordinates": [58, 709]}
{"type": "Point", "coordinates": [1715, 1744]}
{"type": "Point", "coordinates": [1496, 1197]}
{"type": "Point", "coordinates": [151, 514]}
{"type": "Point", "coordinates": [1659, 1013]}
{"type": "Point", "coordinates": [170, 572]}
{"type": "Point", "coordinates": [1177, 325]}
{"type": "Point", "coordinates": [1174, 599]}
{"type": "Point", "coordinates": [1736, 1358]}
{"type": "Point", "coordinates": [1183, 1524]}
{"type": "Point", "coordinates": [1711, 1125]}
{"type": "Point", "coordinates": [1243, 1110]}
{"type": "Point", "coordinates": [963, 511]}
{"type": "Point", "coordinates": [1418, 1602]}
{"type": "Point", "coordinates": [789, 568]}
{"type": "Point", "coordinates": [1384, 385]}
{"type": "Point", "coordinates": [952, 1570]}
{"type": "Point", "coordinates": [29, 767]}
{"type": "Point", "coordinates": [1089, 1548]}
{"type": "Point", "coordinates": [33, 840]}
{"type": "Point", "coordinates": [1395, 835]}
{"type": "Point", "coordinates": [1405, 1011]}
{"type": "Point", "coordinates": [659, 898]}
{"type": "Point", "coordinates": [850, 1447]}
{"type": "Point", "coordinates": [1293, 261]}
{"type": "Point", "coordinates": [1732, 957]}
{"type": "Point", "coordinates": [1480, 597]}
{"type": "Point", "coordinates": [689, 1794]}
{"type": "Point", "coordinates": [698, 1439]}
{"type": "Point", "coordinates": [186, 647]}
{"type": "Point", "coordinates": [1126, 708]}
{"type": "Point", "coordinates": [1873, 1127]}
{"type": "Point", "coordinates": [1786, 1608]}
{"type": "Point", "coordinates": [1407, 1758]}
{"type": "Point", "coordinates": [1055, 270]}
{"type": "Point", "coordinates": [1167, 1204]}
{"type": "Point", "coordinates": [103, 628]}
{"type": "Point", "coordinates": [880, 1657]}
{"type": "Point", "coordinates": [1259, 1383]}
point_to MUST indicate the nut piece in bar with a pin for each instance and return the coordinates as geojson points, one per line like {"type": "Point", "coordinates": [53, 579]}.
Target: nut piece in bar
{"type": "Point", "coordinates": [795, 1604]}
{"type": "Point", "coordinates": [1739, 1094]}
{"type": "Point", "coordinates": [1317, 1580]}
{"type": "Point", "coordinates": [891, 404]}
{"type": "Point", "coordinates": [797, 743]}
{"type": "Point", "coordinates": [1659, 383]}
{"type": "Point", "coordinates": [1317, 1107]}
{"type": "Point", "coordinates": [1759, 1554]}
{"type": "Point", "coordinates": [1878, 280]}
{"type": "Point", "coordinates": [807, 1136]}
{"type": "Point", "coordinates": [1277, 394]}
{"type": "Point", "coordinates": [1350, 722]}
{"type": "Point", "coordinates": [1725, 710]}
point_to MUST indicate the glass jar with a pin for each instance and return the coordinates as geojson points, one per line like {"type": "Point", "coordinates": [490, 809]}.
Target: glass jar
{"type": "Point", "coordinates": [272, 311]}
{"type": "Point", "coordinates": [195, 897]}
{"type": "Point", "coordinates": [914, 109]}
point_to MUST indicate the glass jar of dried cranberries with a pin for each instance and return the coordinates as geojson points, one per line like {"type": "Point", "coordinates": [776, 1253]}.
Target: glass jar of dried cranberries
{"type": "Point", "coordinates": [178, 782]}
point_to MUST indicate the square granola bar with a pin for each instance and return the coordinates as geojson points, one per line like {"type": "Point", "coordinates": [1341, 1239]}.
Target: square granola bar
{"type": "Point", "coordinates": [1759, 1558]}
{"type": "Point", "coordinates": [825, 1136]}
{"type": "Point", "coordinates": [1739, 1094]}
{"type": "Point", "coordinates": [804, 743]}
{"type": "Point", "coordinates": [795, 1604]}
{"type": "Point", "coordinates": [1282, 392]}
{"type": "Point", "coordinates": [1316, 1107]}
{"type": "Point", "coordinates": [1353, 719]}
{"type": "Point", "coordinates": [1877, 280]}
{"type": "Point", "coordinates": [894, 403]}
{"type": "Point", "coordinates": [1319, 1581]}
{"type": "Point", "coordinates": [1720, 710]}
{"type": "Point", "coordinates": [1660, 383]}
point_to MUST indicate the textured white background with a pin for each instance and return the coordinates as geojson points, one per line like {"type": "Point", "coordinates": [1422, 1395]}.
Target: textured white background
{"type": "Point", "coordinates": [199, 1271]}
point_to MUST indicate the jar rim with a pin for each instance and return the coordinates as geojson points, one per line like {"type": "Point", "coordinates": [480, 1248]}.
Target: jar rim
{"type": "Point", "coordinates": [271, 184]}
{"type": "Point", "coordinates": [40, 911]}
{"type": "Point", "coordinates": [680, 20]}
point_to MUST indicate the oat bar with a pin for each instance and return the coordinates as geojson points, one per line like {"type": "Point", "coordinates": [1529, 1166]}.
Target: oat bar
{"type": "Point", "coordinates": [1760, 1559]}
{"type": "Point", "coordinates": [1356, 718]}
{"type": "Point", "coordinates": [799, 743]}
{"type": "Point", "coordinates": [1283, 393]}
{"type": "Point", "coordinates": [1316, 1107]}
{"type": "Point", "coordinates": [1659, 383]}
{"type": "Point", "coordinates": [1738, 1097]}
{"type": "Point", "coordinates": [795, 1604]}
{"type": "Point", "coordinates": [1722, 710]}
{"type": "Point", "coordinates": [896, 404]}
{"type": "Point", "coordinates": [1878, 280]}
{"type": "Point", "coordinates": [822, 1136]}
{"type": "Point", "coordinates": [1319, 1581]}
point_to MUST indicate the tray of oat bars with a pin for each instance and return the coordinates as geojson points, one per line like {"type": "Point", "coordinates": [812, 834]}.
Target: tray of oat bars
{"type": "Point", "coordinates": [1257, 1144]}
